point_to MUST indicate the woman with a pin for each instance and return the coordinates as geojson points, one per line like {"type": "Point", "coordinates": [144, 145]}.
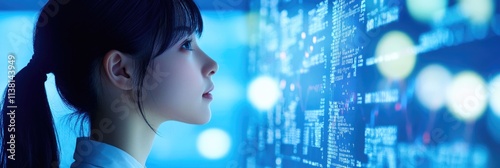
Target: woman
{"type": "Point", "coordinates": [124, 66]}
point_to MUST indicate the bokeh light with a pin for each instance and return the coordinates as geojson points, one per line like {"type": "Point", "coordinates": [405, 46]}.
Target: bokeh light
{"type": "Point", "coordinates": [493, 118]}
{"type": "Point", "coordinates": [213, 143]}
{"type": "Point", "coordinates": [396, 55]}
{"type": "Point", "coordinates": [426, 11]}
{"type": "Point", "coordinates": [431, 84]}
{"type": "Point", "coordinates": [263, 92]}
{"type": "Point", "coordinates": [467, 96]}
{"type": "Point", "coordinates": [494, 92]}
{"type": "Point", "coordinates": [477, 11]}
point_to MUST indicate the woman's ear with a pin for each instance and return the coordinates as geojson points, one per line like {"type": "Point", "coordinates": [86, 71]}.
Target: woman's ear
{"type": "Point", "coordinates": [119, 68]}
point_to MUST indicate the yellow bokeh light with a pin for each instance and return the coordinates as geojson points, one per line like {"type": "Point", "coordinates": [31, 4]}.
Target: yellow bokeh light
{"type": "Point", "coordinates": [427, 10]}
{"type": "Point", "coordinates": [396, 55]}
{"type": "Point", "coordinates": [478, 11]}
{"type": "Point", "coordinates": [466, 98]}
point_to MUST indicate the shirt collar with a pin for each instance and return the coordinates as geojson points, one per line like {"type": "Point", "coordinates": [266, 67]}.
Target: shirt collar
{"type": "Point", "coordinates": [95, 153]}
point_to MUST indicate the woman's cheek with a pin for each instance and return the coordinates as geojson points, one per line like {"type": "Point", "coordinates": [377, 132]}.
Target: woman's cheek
{"type": "Point", "coordinates": [179, 95]}
{"type": "Point", "coordinates": [171, 97]}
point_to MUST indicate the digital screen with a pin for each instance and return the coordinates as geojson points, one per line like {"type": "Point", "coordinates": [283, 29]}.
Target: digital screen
{"type": "Point", "coordinates": [325, 83]}
{"type": "Point", "coordinates": [374, 83]}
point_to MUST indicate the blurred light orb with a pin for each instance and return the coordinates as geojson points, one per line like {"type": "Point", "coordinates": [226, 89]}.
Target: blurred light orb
{"type": "Point", "coordinates": [213, 143]}
{"type": "Point", "coordinates": [477, 11]}
{"type": "Point", "coordinates": [466, 97]}
{"type": "Point", "coordinates": [292, 87]}
{"type": "Point", "coordinates": [431, 84]}
{"type": "Point", "coordinates": [263, 92]}
{"type": "Point", "coordinates": [282, 84]}
{"type": "Point", "coordinates": [494, 93]}
{"type": "Point", "coordinates": [395, 55]}
{"type": "Point", "coordinates": [493, 119]}
{"type": "Point", "coordinates": [426, 11]}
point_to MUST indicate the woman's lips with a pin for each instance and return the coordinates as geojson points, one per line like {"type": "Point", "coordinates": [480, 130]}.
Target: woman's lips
{"type": "Point", "coordinates": [207, 96]}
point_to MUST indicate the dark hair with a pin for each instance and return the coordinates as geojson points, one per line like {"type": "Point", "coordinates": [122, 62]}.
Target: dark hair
{"type": "Point", "coordinates": [70, 41]}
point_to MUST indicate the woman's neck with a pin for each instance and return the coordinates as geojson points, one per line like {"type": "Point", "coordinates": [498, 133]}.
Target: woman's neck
{"type": "Point", "coordinates": [128, 132]}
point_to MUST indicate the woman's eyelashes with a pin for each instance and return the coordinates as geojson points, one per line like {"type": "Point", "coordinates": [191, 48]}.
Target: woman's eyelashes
{"type": "Point", "coordinates": [187, 45]}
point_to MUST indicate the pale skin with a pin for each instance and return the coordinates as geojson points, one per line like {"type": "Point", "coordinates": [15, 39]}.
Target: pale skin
{"type": "Point", "coordinates": [175, 89]}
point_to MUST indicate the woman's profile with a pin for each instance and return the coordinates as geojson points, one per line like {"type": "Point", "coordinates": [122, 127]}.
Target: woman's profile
{"type": "Point", "coordinates": [123, 66]}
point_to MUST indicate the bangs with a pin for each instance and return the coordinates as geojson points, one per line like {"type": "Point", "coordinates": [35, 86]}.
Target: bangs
{"type": "Point", "coordinates": [189, 18]}
{"type": "Point", "coordinates": [177, 20]}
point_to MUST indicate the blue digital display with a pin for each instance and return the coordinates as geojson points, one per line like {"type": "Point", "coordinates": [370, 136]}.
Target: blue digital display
{"type": "Point", "coordinates": [375, 83]}
{"type": "Point", "coordinates": [326, 83]}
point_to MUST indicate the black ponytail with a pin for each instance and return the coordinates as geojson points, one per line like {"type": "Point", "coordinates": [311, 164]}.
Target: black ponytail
{"type": "Point", "coordinates": [28, 135]}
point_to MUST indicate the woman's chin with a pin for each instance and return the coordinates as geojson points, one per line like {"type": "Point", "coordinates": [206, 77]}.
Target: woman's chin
{"type": "Point", "coordinates": [198, 120]}
{"type": "Point", "coordinates": [201, 121]}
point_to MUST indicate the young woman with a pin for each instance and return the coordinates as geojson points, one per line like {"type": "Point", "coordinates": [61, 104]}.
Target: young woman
{"type": "Point", "coordinates": [125, 66]}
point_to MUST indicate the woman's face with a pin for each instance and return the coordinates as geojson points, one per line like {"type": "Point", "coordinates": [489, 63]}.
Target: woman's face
{"type": "Point", "coordinates": [178, 85]}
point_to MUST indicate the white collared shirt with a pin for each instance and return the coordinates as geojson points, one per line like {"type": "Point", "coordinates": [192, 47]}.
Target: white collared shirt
{"type": "Point", "coordinates": [92, 154]}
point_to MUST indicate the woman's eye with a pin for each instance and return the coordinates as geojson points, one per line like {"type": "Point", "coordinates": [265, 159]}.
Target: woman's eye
{"type": "Point", "coordinates": [187, 45]}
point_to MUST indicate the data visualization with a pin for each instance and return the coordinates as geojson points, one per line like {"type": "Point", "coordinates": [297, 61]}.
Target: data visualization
{"type": "Point", "coordinates": [374, 83]}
